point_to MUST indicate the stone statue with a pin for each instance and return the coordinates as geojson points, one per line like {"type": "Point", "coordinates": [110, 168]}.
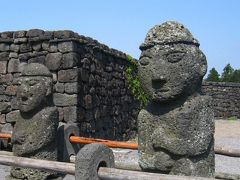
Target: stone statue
{"type": "Point", "coordinates": [35, 131]}
{"type": "Point", "coordinates": [176, 129]}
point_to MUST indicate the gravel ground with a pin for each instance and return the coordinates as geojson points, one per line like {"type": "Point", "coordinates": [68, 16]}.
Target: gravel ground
{"type": "Point", "coordinates": [227, 134]}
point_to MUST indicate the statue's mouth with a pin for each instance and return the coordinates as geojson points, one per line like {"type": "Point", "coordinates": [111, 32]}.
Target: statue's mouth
{"type": "Point", "coordinates": [162, 90]}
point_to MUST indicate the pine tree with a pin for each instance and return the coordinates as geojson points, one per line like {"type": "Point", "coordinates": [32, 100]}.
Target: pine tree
{"type": "Point", "coordinates": [227, 73]}
{"type": "Point", "coordinates": [213, 75]}
{"type": "Point", "coordinates": [235, 76]}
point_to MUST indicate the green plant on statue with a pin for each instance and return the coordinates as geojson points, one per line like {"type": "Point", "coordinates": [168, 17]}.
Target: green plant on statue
{"type": "Point", "coordinates": [134, 84]}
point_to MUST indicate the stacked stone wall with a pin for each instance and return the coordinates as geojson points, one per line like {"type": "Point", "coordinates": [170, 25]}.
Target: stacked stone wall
{"type": "Point", "coordinates": [226, 98]}
{"type": "Point", "coordinates": [90, 83]}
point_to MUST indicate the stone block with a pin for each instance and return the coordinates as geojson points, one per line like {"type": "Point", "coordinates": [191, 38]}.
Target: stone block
{"type": "Point", "coordinates": [64, 99]}
{"type": "Point", "coordinates": [14, 47]}
{"type": "Point", "coordinates": [71, 88]}
{"type": "Point", "coordinates": [14, 103]}
{"type": "Point", "coordinates": [2, 89]}
{"type": "Point", "coordinates": [45, 46]}
{"type": "Point", "coordinates": [25, 48]}
{"type": "Point", "coordinates": [20, 68]}
{"type": "Point", "coordinates": [5, 107]}
{"type": "Point", "coordinates": [19, 34]}
{"type": "Point", "coordinates": [13, 55]}
{"type": "Point", "coordinates": [70, 60]}
{"type": "Point", "coordinates": [20, 40]}
{"type": "Point", "coordinates": [37, 46]}
{"type": "Point", "coordinates": [70, 114]}
{"type": "Point", "coordinates": [12, 116]}
{"type": "Point", "coordinates": [3, 67]}
{"type": "Point", "coordinates": [53, 61]}
{"type": "Point", "coordinates": [53, 48]}
{"type": "Point", "coordinates": [6, 78]}
{"type": "Point", "coordinates": [108, 68]}
{"type": "Point", "coordinates": [70, 75]}
{"type": "Point", "coordinates": [4, 56]}
{"type": "Point", "coordinates": [38, 59]}
{"type": "Point", "coordinates": [35, 33]}
{"type": "Point", "coordinates": [4, 98]}
{"type": "Point", "coordinates": [4, 47]}
{"type": "Point", "coordinates": [11, 90]}
{"type": "Point", "coordinates": [68, 46]}
{"type": "Point", "coordinates": [63, 34]}
{"type": "Point", "coordinates": [13, 65]}
{"type": "Point", "coordinates": [80, 113]}
{"type": "Point", "coordinates": [60, 114]}
{"type": "Point", "coordinates": [97, 113]}
{"type": "Point", "coordinates": [84, 74]}
{"type": "Point", "coordinates": [2, 118]}
{"type": "Point", "coordinates": [88, 101]}
{"type": "Point", "coordinates": [7, 128]}
{"type": "Point", "coordinates": [54, 77]}
{"type": "Point", "coordinates": [7, 34]}
{"type": "Point", "coordinates": [89, 116]}
{"type": "Point", "coordinates": [92, 68]}
{"type": "Point", "coordinates": [59, 87]}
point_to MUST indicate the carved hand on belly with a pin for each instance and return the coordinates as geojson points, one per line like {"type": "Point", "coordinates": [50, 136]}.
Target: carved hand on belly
{"type": "Point", "coordinates": [162, 139]}
{"type": "Point", "coordinates": [18, 138]}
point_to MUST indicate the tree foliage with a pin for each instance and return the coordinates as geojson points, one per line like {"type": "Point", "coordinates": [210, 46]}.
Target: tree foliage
{"type": "Point", "coordinates": [213, 75]}
{"type": "Point", "coordinates": [228, 75]}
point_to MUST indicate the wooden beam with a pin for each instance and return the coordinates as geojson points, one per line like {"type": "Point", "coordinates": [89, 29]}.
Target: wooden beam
{"type": "Point", "coordinates": [45, 165]}
{"type": "Point", "coordinates": [227, 151]}
{"type": "Point", "coordinates": [119, 174]}
{"type": "Point", "coordinates": [111, 144]}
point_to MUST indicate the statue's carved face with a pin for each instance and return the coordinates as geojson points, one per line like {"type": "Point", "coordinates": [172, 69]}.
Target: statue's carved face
{"type": "Point", "coordinates": [169, 71]}
{"type": "Point", "coordinates": [32, 92]}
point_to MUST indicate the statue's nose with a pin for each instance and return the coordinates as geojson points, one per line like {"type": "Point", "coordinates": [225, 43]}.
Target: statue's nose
{"type": "Point", "coordinates": [158, 82]}
{"type": "Point", "coordinates": [23, 91]}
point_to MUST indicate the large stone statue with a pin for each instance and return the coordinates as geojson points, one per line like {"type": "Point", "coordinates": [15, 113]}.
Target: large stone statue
{"type": "Point", "coordinates": [176, 129]}
{"type": "Point", "coordinates": [35, 131]}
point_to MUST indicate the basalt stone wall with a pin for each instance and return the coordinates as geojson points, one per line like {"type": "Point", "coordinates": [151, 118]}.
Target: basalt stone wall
{"type": "Point", "coordinates": [226, 98]}
{"type": "Point", "coordinates": [90, 85]}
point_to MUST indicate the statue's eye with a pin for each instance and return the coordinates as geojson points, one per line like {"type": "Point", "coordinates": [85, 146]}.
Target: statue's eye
{"type": "Point", "coordinates": [175, 56]}
{"type": "Point", "coordinates": [32, 82]}
{"type": "Point", "coordinates": [144, 61]}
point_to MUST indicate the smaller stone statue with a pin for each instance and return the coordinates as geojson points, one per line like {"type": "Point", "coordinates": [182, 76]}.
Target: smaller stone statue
{"type": "Point", "coordinates": [176, 129]}
{"type": "Point", "coordinates": [35, 131]}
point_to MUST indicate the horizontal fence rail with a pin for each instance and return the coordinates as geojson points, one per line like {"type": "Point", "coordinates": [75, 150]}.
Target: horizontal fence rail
{"type": "Point", "coordinates": [45, 165]}
{"type": "Point", "coordinates": [103, 172]}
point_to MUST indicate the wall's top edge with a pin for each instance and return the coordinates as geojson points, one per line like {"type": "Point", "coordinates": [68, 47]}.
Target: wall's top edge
{"type": "Point", "coordinates": [222, 84]}
{"type": "Point", "coordinates": [38, 35]}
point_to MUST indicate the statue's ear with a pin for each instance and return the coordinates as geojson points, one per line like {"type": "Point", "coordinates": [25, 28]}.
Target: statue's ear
{"type": "Point", "coordinates": [49, 85]}
{"type": "Point", "coordinates": [49, 91]}
{"type": "Point", "coordinates": [203, 62]}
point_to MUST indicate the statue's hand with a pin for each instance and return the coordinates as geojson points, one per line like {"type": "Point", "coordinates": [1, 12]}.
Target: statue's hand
{"type": "Point", "coordinates": [18, 138]}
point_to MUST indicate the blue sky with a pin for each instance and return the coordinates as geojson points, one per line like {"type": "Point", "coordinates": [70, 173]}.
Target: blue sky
{"type": "Point", "coordinates": [123, 24]}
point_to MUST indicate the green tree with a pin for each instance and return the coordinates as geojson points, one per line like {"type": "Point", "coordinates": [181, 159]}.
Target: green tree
{"type": "Point", "coordinates": [227, 73]}
{"type": "Point", "coordinates": [235, 76]}
{"type": "Point", "coordinates": [213, 75]}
